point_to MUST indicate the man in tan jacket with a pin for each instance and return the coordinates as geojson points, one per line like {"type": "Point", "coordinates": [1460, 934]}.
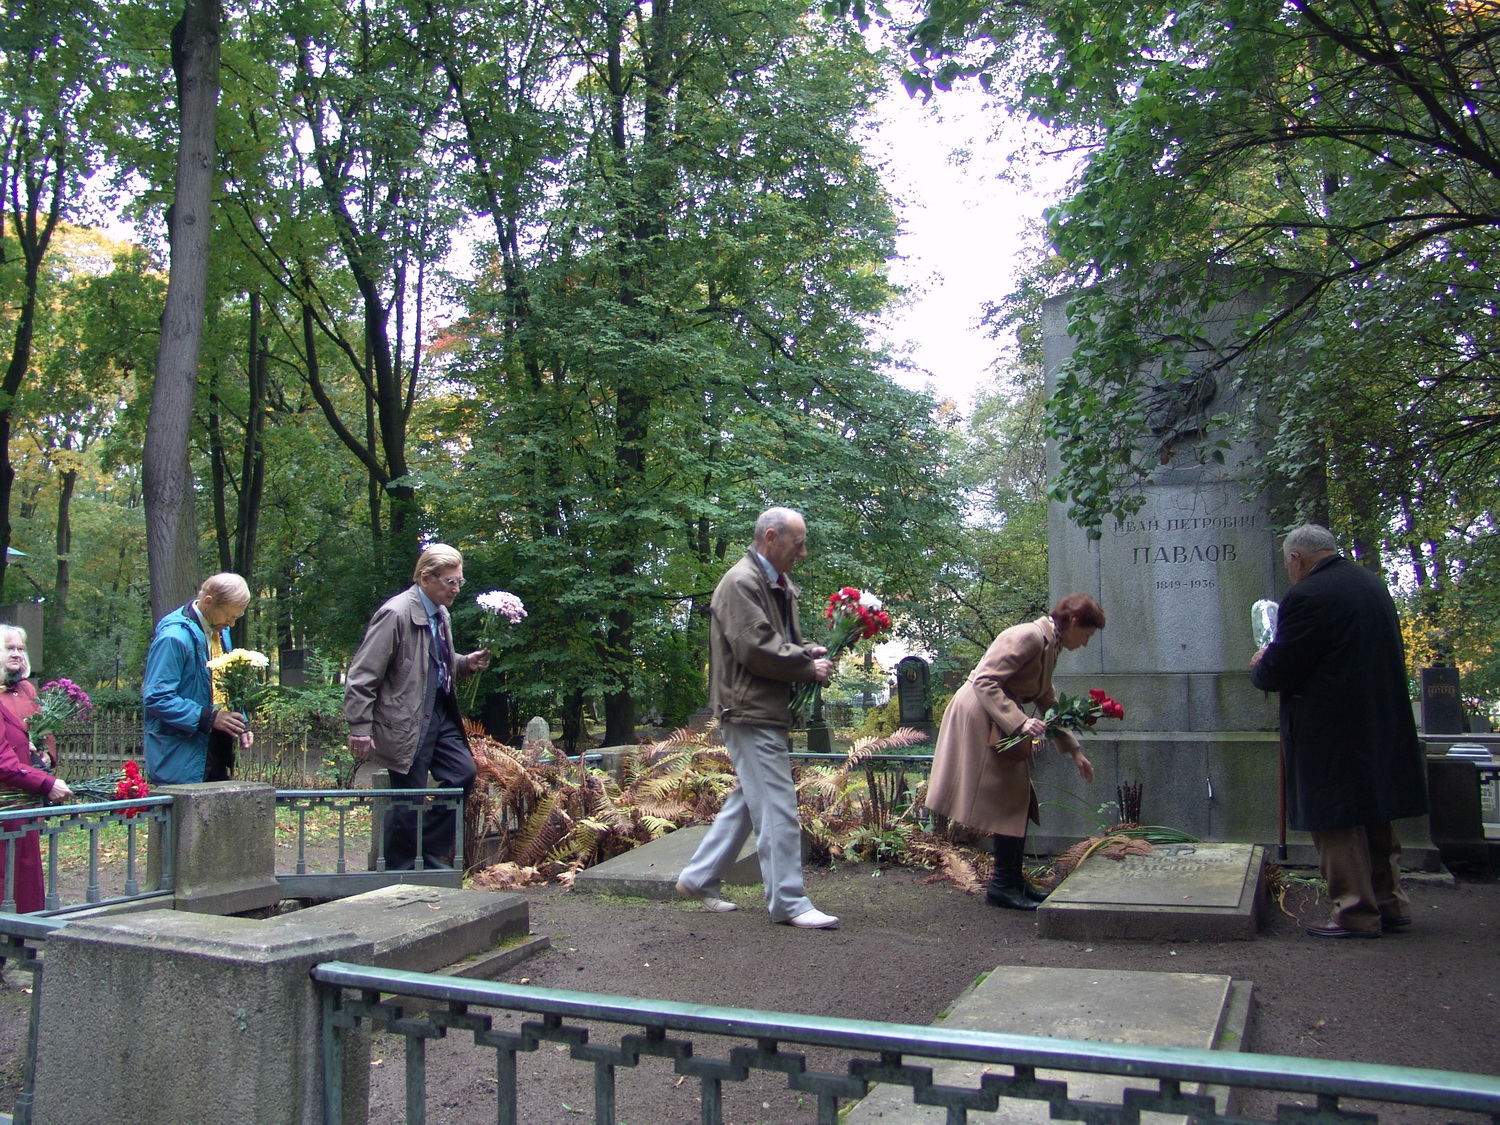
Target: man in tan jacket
{"type": "Point", "coordinates": [402, 710]}
{"type": "Point", "coordinates": [756, 655]}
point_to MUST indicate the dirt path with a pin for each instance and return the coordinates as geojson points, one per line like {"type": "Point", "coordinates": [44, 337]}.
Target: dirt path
{"type": "Point", "coordinates": [1429, 997]}
{"type": "Point", "coordinates": [906, 949]}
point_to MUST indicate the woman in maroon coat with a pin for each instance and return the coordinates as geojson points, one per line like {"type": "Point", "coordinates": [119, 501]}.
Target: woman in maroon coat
{"type": "Point", "coordinates": [974, 784]}
{"type": "Point", "coordinates": [21, 784]}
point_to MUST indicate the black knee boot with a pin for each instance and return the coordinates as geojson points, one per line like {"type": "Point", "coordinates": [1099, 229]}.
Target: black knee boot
{"type": "Point", "coordinates": [1008, 884]}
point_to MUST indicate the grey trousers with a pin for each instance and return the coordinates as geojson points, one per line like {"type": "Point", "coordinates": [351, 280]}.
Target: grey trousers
{"type": "Point", "coordinates": [765, 800]}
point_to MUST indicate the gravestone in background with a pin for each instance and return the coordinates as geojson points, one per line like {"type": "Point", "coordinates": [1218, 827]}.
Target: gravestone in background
{"type": "Point", "coordinates": [536, 731]}
{"type": "Point", "coordinates": [1442, 704]}
{"type": "Point", "coordinates": [1176, 581]}
{"type": "Point", "coordinates": [914, 697]}
{"type": "Point", "coordinates": [293, 664]}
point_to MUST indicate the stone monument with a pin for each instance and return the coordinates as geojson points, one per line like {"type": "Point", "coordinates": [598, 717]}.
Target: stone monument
{"type": "Point", "coordinates": [1176, 581]}
{"type": "Point", "coordinates": [537, 731]}
{"type": "Point", "coordinates": [1442, 704]}
{"type": "Point", "coordinates": [913, 678]}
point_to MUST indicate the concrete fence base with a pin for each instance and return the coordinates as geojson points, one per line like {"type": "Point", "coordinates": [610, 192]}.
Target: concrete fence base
{"type": "Point", "coordinates": [174, 1018]}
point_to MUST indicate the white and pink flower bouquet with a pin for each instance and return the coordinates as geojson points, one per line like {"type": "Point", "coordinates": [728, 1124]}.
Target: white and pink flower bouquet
{"type": "Point", "coordinates": [498, 606]}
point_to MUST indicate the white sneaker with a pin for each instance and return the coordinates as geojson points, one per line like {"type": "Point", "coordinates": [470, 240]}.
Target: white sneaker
{"type": "Point", "coordinates": [813, 920]}
{"type": "Point", "coordinates": [717, 905]}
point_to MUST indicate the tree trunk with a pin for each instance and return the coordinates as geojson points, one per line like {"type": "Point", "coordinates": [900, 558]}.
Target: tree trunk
{"type": "Point", "coordinates": [253, 465]}
{"type": "Point", "coordinates": [218, 475]}
{"type": "Point", "coordinates": [58, 610]}
{"type": "Point", "coordinates": [171, 524]}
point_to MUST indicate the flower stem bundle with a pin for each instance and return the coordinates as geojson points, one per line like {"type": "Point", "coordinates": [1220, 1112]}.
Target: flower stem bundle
{"type": "Point", "coordinates": [1071, 713]}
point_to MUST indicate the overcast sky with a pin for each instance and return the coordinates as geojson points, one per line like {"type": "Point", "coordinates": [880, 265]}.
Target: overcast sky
{"type": "Point", "coordinates": [961, 230]}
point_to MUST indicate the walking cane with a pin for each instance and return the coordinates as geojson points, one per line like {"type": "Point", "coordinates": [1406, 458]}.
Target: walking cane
{"type": "Point", "coordinates": [1281, 798]}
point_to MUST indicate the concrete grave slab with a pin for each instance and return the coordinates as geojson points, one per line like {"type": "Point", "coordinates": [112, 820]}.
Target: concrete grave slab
{"type": "Point", "coordinates": [423, 929]}
{"type": "Point", "coordinates": [1104, 1006]}
{"type": "Point", "coordinates": [651, 870]}
{"type": "Point", "coordinates": [1179, 892]}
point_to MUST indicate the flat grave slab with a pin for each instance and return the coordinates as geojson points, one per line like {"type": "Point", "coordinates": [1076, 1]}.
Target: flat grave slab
{"type": "Point", "coordinates": [1180, 892]}
{"type": "Point", "coordinates": [651, 870]}
{"type": "Point", "coordinates": [424, 929]}
{"type": "Point", "coordinates": [1104, 1006]}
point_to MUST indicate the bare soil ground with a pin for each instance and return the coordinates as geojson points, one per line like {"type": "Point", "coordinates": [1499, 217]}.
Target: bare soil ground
{"type": "Point", "coordinates": [905, 950]}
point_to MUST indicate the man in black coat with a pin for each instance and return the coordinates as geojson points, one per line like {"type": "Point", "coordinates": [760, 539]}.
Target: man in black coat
{"type": "Point", "coordinates": [1353, 762]}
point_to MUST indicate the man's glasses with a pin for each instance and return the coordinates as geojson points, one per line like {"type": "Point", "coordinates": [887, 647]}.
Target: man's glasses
{"type": "Point", "coordinates": [453, 583]}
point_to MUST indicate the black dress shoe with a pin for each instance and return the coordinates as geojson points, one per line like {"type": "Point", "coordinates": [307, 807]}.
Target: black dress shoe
{"type": "Point", "coordinates": [1332, 929]}
{"type": "Point", "coordinates": [1035, 894]}
{"type": "Point", "coordinates": [1391, 925]}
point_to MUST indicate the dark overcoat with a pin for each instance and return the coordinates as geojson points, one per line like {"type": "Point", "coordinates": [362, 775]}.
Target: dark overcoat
{"type": "Point", "coordinates": [1348, 736]}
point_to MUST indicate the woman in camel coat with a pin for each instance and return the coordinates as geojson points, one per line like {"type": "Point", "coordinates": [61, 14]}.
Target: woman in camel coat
{"type": "Point", "coordinates": [989, 791]}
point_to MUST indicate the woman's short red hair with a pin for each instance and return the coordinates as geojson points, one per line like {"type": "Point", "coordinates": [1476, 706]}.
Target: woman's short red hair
{"type": "Point", "coordinates": [1078, 609]}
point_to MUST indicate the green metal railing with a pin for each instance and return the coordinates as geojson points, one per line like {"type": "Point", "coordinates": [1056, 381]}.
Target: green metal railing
{"type": "Point", "coordinates": [1170, 1079]}
{"type": "Point", "coordinates": [86, 827]}
{"type": "Point", "coordinates": [371, 871]}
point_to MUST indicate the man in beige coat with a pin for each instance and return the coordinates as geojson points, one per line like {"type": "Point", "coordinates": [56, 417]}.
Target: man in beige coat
{"type": "Point", "coordinates": [756, 655]}
{"type": "Point", "coordinates": [402, 709]}
{"type": "Point", "coordinates": [990, 791]}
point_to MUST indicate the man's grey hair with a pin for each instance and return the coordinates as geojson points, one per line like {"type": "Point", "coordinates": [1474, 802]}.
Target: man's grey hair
{"type": "Point", "coordinates": [437, 557]}
{"type": "Point", "coordinates": [226, 588]}
{"type": "Point", "coordinates": [1309, 539]}
{"type": "Point", "coordinates": [773, 519]}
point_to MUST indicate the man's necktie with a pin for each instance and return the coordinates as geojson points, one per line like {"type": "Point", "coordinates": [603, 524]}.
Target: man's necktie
{"type": "Point", "coordinates": [216, 650]}
{"type": "Point", "coordinates": [444, 663]}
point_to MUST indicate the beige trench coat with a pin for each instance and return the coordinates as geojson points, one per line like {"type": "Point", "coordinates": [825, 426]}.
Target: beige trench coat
{"type": "Point", "coordinates": [970, 782]}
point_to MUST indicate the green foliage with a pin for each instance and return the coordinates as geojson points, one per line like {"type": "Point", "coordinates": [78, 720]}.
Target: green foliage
{"type": "Point", "coordinates": [116, 701]}
{"type": "Point", "coordinates": [881, 721]}
{"type": "Point", "coordinates": [318, 705]}
{"type": "Point", "coordinates": [1332, 162]}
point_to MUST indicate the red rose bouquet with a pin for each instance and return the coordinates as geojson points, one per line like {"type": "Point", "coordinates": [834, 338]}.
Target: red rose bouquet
{"type": "Point", "coordinates": [1070, 713]}
{"type": "Point", "coordinates": [855, 615]}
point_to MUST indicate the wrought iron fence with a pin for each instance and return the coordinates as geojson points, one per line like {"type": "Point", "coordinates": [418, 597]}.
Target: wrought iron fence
{"type": "Point", "coordinates": [20, 943]}
{"type": "Point", "coordinates": [1165, 1080]}
{"type": "Point", "coordinates": [92, 854]}
{"type": "Point", "coordinates": [282, 752]}
{"type": "Point", "coordinates": [359, 821]}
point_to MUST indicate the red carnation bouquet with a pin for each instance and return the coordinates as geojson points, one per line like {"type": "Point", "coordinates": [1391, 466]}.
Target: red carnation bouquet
{"type": "Point", "coordinates": [856, 615]}
{"type": "Point", "coordinates": [123, 785]}
{"type": "Point", "coordinates": [1071, 713]}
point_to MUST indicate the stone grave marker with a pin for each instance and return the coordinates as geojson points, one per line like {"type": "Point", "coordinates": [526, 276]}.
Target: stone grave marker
{"type": "Point", "coordinates": [1442, 702]}
{"type": "Point", "coordinates": [913, 676]}
{"type": "Point", "coordinates": [1177, 893]}
{"type": "Point", "coordinates": [537, 730]}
